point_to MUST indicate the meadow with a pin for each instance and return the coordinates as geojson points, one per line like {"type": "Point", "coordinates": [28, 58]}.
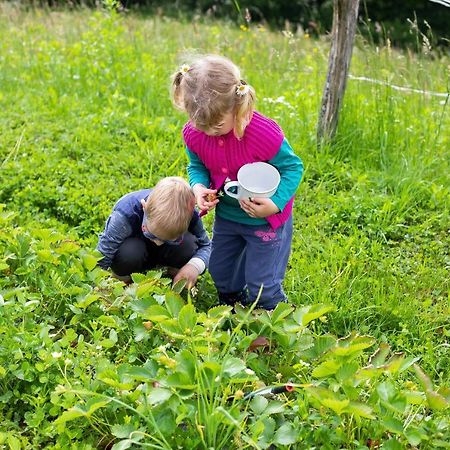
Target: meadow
{"type": "Point", "coordinates": [86, 116]}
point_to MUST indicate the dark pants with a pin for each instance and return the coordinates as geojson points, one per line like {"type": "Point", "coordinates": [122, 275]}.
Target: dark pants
{"type": "Point", "coordinates": [250, 258]}
{"type": "Point", "coordinates": [137, 255]}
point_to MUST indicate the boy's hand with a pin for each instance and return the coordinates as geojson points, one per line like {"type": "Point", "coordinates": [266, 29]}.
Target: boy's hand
{"type": "Point", "coordinates": [259, 207]}
{"type": "Point", "coordinates": [205, 198]}
{"type": "Point", "coordinates": [189, 273]}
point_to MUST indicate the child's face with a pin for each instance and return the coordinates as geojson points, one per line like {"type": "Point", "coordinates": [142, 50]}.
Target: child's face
{"type": "Point", "coordinates": [160, 239]}
{"type": "Point", "coordinates": [223, 127]}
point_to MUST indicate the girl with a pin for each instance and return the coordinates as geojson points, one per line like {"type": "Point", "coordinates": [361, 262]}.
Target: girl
{"type": "Point", "coordinates": [251, 238]}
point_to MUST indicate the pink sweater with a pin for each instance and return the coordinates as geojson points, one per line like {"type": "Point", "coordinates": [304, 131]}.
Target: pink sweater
{"type": "Point", "coordinates": [224, 155]}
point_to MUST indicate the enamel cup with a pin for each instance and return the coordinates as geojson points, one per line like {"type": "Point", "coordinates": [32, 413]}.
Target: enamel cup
{"type": "Point", "coordinates": [257, 179]}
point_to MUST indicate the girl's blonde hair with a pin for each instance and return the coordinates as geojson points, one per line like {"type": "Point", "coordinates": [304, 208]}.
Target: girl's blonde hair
{"type": "Point", "coordinates": [207, 89]}
{"type": "Point", "coordinates": [169, 207]}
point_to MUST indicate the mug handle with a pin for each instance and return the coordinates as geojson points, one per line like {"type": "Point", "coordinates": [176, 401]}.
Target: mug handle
{"type": "Point", "coordinates": [229, 185]}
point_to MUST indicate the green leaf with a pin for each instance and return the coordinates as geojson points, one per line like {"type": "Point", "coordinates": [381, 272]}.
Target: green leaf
{"type": "Point", "coordinates": [327, 368]}
{"type": "Point", "coordinates": [186, 363]}
{"type": "Point", "coordinates": [70, 414]}
{"type": "Point", "coordinates": [146, 372]}
{"type": "Point", "coordinates": [187, 318]}
{"type": "Point", "coordinates": [232, 366]}
{"type": "Point", "coordinates": [140, 306]}
{"type": "Point", "coordinates": [179, 286]}
{"type": "Point", "coordinates": [436, 401]}
{"type": "Point", "coordinates": [367, 373]}
{"type": "Point", "coordinates": [172, 329]}
{"type": "Point", "coordinates": [156, 313]}
{"type": "Point", "coordinates": [144, 288]}
{"type": "Point", "coordinates": [395, 363]}
{"type": "Point", "coordinates": [392, 424]}
{"type": "Point", "coordinates": [212, 367]}
{"type": "Point", "coordinates": [174, 303]}
{"type": "Point", "coordinates": [309, 313]}
{"type": "Point", "coordinates": [122, 445]}
{"type": "Point", "coordinates": [258, 404]}
{"type": "Point", "coordinates": [86, 301]}
{"type": "Point", "coordinates": [338, 406]}
{"type": "Point", "coordinates": [14, 442]}
{"type": "Point", "coordinates": [379, 357]}
{"type": "Point", "coordinates": [281, 311]}
{"type": "Point", "coordinates": [274, 407]}
{"type": "Point", "coordinates": [107, 321]}
{"type": "Point", "coordinates": [328, 398]}
{"type": "Point", "coordinates": [82, 410]}
{"type": "Point", "coordinates": [413, 435]}
{"type": "Point", "coordinates": [320, 345]}
{"type": "Point", "coordinates": [392, 444]}
{"type": "Point", "coordinates": [352, 344]}
{"type": "Point", "coordinates": [385, 391]}
{"type": "Point", "coordinates": [220, 312]}
{"type": "Point", "coordinates": [414, 397]}
{"type": "Point", "coordinates": [346, 373]}
{"type": "Point", "coordinates": [285, 435]}
{"type": "Point", "coordinates": [360, 410]}
{"type": "Point", "coordinates": [158, 395]}
{"type": "Point", "coordinates": [122, 431]}
{"type": "Point", "coordinates": [406, 363]}
{"type": "Point", "coordinates": [423, 378]}
{"type": "Point", "coordinates": [89, 261]}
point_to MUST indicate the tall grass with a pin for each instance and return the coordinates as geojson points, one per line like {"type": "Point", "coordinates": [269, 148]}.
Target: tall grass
{"type": "Point", "coordinates": [85, 117]}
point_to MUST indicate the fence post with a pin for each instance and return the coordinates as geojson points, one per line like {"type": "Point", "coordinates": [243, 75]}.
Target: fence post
{"type": "Point", "coordinates": [345, 16]}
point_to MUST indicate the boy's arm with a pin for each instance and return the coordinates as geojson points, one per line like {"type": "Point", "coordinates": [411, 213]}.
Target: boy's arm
{"type": "Point", "coordinates": [201, 257]}
{"type": "Point", "coordinates": [117, 229]}
{"type": "Point", "coordinates": [290, 167]}
{"type": "Point", "coordinates": [198, 173]}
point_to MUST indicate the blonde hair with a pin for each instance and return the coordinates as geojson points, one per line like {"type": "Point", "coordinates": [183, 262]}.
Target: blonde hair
{"type": "Point", "coordinates": [169, 207]}
{"type": "Point", "coordinates": [207, 89]}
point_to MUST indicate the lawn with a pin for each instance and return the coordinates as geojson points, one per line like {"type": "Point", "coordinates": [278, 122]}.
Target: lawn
{"type": "Point", "coordinates": [86, 116]}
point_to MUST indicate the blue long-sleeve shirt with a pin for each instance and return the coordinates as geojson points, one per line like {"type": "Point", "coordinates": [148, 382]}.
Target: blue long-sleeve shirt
{"type": "Point", "coordinates": [126, 220]}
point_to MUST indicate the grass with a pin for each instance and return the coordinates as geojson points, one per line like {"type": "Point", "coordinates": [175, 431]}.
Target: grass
{"type": "Point", "coordinates": [86, 117]}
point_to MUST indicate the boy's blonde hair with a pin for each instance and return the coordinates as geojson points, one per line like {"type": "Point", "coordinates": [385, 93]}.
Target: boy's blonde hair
{"type": "Point", "coordinates": [207, 90]}
{"type": "Point", "coordinates": [169, 207]}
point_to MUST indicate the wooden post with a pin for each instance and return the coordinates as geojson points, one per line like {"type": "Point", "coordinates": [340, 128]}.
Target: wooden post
{"type": "Point", "coordinates": [345, 16]}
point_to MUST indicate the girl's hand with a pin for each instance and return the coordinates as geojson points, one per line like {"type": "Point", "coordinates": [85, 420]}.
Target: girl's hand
{"type": "Point", "coordinates": [259, 207]}
{"type": "Point", "coordinates": [189, 273]}
{"type": "Point", "coordinates": [205, 198]}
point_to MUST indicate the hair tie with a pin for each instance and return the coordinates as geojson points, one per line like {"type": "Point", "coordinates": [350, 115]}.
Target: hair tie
{"type": "Point", "coordinates": [184, 69]}
{"type": "Point", "coordinates": [242, 88]}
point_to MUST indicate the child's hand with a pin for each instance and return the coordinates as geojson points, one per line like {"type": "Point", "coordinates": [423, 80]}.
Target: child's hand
{"type": "Point", "coordinates": [189, 273]}
{"type": "Point", "coordinates": [205, 198]}
{"type": "Point", "coordinates": [259, 207]}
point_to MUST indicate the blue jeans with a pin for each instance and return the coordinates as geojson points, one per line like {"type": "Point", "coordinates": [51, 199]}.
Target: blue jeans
{"type": "Point", "coordinates": [248, 257]}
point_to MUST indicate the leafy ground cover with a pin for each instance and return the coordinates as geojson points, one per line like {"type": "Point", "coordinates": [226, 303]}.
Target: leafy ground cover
{"type": "Point", "coordinates": [86, 117]}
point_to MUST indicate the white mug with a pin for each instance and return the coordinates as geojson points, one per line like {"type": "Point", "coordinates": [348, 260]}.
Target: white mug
{"type": "Point", "coordinates": [257, 179]}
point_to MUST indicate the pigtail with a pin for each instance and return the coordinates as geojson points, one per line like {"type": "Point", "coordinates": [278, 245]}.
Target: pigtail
{"type": "Point", "coordinates": [176, 88]}
{"type": "Point", "coordinates": [246, 98]}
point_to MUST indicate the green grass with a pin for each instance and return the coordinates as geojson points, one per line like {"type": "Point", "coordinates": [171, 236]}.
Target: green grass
{"type": "Point", "coordinates": [86, 117]}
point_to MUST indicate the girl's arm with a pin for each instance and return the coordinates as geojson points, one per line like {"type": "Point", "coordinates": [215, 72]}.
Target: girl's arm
{"type": "Point", "coordinates": [199, 180]}
{"type": "Point", "coordinates": [290, 167]}
{"type": "Point", "coordinates": [198, 173]}
{"type": "Point", "coordinates": [117, 229]}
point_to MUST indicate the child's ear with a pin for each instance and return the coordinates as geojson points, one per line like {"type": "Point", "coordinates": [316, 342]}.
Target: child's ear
{"type": "Point", "coordinates": [143, 203]}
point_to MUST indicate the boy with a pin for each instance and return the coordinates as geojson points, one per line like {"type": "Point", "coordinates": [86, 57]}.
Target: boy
{"type": "Point", "coordinates": [156, 227]}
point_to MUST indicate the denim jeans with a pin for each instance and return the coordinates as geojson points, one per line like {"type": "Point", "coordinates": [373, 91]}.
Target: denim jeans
{"type": "Point", "coordinates": [250, 258]}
